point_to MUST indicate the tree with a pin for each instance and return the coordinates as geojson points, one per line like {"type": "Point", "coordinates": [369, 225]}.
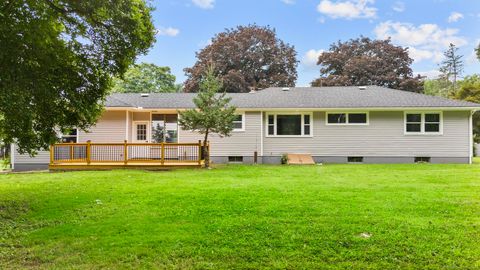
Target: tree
{"type": "Point", "coordinates": [363, 61]}
{"type": "Point", "coordinates": [57, 61]}
{"type": "Point", "coordinates": [213, 114]}
{"type": "Point", "coordinates": [478, 51]}
{"type": "Point", "coordinates": [437, 87]}
{"type": "Point", "coordinates": [452, 66]}
{"type": "Point", "coordinates": [146, 78]}
{"type": "Point", "coordinates": [245, 57]}
{"type": "Point", "coordinates": [470, 91]}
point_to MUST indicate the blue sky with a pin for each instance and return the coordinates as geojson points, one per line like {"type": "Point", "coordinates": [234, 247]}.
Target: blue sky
{"type": "Point", "coordinates": [425, 26]}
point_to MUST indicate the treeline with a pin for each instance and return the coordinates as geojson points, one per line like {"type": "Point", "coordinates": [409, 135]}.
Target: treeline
{"type": "Point", "coordinates": [253, 57]}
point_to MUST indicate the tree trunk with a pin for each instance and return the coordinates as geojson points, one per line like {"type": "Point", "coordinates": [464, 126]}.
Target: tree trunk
{"type": "Point", "coordinates": [206, 154]}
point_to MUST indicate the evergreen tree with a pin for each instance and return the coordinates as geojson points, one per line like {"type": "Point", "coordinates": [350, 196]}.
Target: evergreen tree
{"type": "Point", "coordinates": [212, 114]}
{"type": "Point", "coordinates": [452, 66]}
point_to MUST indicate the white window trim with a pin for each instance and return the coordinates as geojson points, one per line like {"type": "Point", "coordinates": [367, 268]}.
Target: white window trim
{"type": "Point", "coordinates": [347, 116]}
{"type": "Point", "coordinates": [243, 122]}
{"type": "Point", "coordinates": [289, 136]}
{"type": "Point", "coordinates": [422, 124]}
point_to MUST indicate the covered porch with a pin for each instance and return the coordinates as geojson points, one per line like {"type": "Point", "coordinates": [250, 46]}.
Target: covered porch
{"type": "Point", "coordinates": [89, 155]}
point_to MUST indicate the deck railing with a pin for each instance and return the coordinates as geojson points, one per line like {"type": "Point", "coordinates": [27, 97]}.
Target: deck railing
{"type": "Point", "coordinates": [126, 153]}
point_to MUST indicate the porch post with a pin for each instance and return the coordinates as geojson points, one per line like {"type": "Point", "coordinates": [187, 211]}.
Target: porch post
{"type": "Point", "coordinates": [200, 152]}
{"type": "Point", "coordinates": [162, 157]}
{"type": "Point", "coordinates": [88, 151]}
{"type": "Point", "coordinates": [125, 152]}
{"type": "Point", "coordinates": [51, 153]}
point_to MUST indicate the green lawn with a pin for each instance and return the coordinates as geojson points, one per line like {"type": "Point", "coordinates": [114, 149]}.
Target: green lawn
{"type": "Point", "coordinates": [333, 216]}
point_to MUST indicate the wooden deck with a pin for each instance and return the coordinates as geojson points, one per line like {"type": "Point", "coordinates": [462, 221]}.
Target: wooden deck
{"type": "Point", "coordinates": [108, 156]}
{"type": "Point", "coordinates": [156, 166]}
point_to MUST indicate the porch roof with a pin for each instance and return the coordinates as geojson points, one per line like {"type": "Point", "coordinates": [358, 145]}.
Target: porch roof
{"type": "Point", "coordinates": [297, 97]}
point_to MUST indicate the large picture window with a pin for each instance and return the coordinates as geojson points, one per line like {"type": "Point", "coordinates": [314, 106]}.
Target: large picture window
{"type": "Point", "coordinates": [164, 128]}
{"type": "Point", "coordinates": [289, 124]}
{"type": "Point", "coordinates": [423, 123]}
{"type": "Point", "coordinates": [347, 118]}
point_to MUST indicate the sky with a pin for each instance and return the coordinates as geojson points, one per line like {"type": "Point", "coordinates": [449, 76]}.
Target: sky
{"type": "Point", "coordinates": [426, 27]}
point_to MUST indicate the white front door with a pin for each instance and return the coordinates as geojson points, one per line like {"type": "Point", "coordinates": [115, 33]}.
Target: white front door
{"type": "Point", "coordinates": [140, 132]}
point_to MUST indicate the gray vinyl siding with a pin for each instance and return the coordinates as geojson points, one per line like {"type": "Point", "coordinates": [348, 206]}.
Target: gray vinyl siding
{"type": "Point", "coordinates": [384, 136]}
{"type": "Point", "coordinates": [111, 128]}
{"type": "Point", "coordinates": [42, 157]}
{"type": "Point", "coordinates": [241, 143]}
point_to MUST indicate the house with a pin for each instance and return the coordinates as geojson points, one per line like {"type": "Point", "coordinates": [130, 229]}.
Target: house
{"type": "Point", "coordinates": [334, 124]}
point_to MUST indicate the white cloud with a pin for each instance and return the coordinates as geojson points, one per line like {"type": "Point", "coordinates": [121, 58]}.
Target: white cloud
{"type": "Point", "coordinates": [205, 4]}
{"type": "Point", "coordinates": [430, 74]}
{"type": "Point", "coordinates": [168, 31]}
{"type": "Point", "coordinates": [454, 17]}
{"type": "Point", "coordinates": [351, 9]}
{"type": "Point", "coordinates": [399, 6]}
{"type": "Point", "coordinates": [311, 57]}
{"type": "Point", "coordinates": [289, 2]}
{"type": "Point", "coordinates": [425, 42]}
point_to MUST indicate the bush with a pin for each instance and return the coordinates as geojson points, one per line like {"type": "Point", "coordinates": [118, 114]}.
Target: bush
{"type": "Point", "coordinates": [284, 159]}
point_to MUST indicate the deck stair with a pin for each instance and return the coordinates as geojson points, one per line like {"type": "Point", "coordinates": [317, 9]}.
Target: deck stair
{"type": "Point", "coordinates": [300, 159]}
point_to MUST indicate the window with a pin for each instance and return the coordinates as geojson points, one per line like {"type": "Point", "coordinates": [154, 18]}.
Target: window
{"type": "Point", "coordinates": [355, 159]}
{"type": "Point", "coordinates": [306, 124]}
{"type": "Point", "coordinates": [70, 137]}
{"type": "Point", "coordinates": [347, 118]}
{"type": "Point", "coordinates": [235, 159]}
{"type": "Point", "coordinates": [164, 128]}
{"type": "Point", "coordinates": [238, 123]}
{"type": "Point", "coordinates": [289, 124]}
{"type": "Point", "coordinates": [141, 132]}
{"type": "Point", "coordinates": [337, 118]}
{"type": "Point", "coordinates": [423, 123]}
{"type": "Point", "coordinates": [422, 159]}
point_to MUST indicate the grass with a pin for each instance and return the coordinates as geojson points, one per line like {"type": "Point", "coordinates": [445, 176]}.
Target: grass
{"type": "Point", "coordinates": [331, 217]}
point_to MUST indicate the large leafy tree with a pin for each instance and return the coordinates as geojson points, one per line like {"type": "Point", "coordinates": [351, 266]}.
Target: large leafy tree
{"type": "Point", "coordinates": [212, 114]}
{"type": "Point", "coordinates": [245, 57]}
{"type": "Point", "coordinates": [469, 90]}
{"type": "Point", "coordinates": [364, 61]}
{"type": "Point", "coordinates": [57, 59]}
{"type": "Point", "coordinates": [146, 78]}
{"type": "Point", "coordinates": [437, 87]}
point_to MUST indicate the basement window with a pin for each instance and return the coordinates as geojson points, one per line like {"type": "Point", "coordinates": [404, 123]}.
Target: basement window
{"type": "Point", "coordinates": [355, 159]}
{"type": "Point", "coordinates": [422, 159]}
{"type": "Point", "coordinates": [235, 159]}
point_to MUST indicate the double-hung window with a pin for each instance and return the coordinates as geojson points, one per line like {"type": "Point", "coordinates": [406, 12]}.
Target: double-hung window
{"type": "Point", "coordinates": [423, 123]}
{"type": "Point", "coordinates": [285, 124]}
{"type": "Point", "coordinates": [347, 118]}
{"type": "Point", "coordinates": [70, 136]}
{"type": "Point", "coordinates": [239, 122]}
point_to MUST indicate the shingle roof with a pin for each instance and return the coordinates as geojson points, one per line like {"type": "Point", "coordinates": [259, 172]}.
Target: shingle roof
{"type": "Point", "coordinates": [297, 97]}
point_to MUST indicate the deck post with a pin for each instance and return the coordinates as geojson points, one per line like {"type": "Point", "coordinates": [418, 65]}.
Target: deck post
{"type": "Point", "coordinates": [125, 152]}
{"type": "Point", "coordinates": [52, 153]}
{"type": "Point", "coordinates": [71, 152]}
{"type": "Point", "coordinates": [200, 152]}
{"type": "Point", "coordinates": [162, 153]}
{"type": "Point", "coordinates": [88, 152]}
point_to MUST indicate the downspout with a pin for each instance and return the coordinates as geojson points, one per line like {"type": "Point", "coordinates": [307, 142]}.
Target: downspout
{"type": "Point", "coordinates": [470, 130]}
{"type": "Point", "coordinates": [12, 156]}
{"type": "Point", "coordinates": [261, 135]}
